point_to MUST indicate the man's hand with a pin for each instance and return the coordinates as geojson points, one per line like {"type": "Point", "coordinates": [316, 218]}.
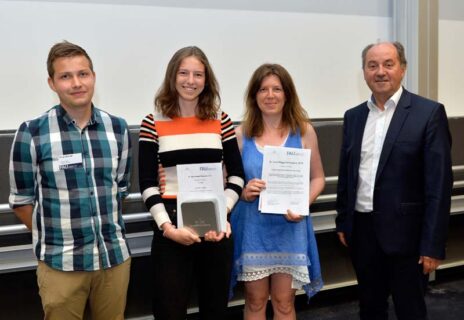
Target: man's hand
{"type": "Point", "coordinates": [24, 213]}
{"type": "Point", "coordinates": [341, 237]}
{"type": "Point", "coordinates": [429, 264]}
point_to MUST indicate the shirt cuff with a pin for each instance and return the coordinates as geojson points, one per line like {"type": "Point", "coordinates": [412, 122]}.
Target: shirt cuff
{"type": "Point", "coordinates": [231, 198]}
{"type": "Point", "coordinates": [160, 215]}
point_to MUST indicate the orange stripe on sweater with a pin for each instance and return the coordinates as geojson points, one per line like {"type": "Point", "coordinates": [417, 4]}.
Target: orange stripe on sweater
{"type": "Point", "coordinates": [145, 134]}
{"type": "Point", "coordinates": [227, 124]}
{"type": "Point", "coordinates": [228, 134]}
{"type": "Point", "coordinates": [148, 125]}
{"type": "Point", "coordinates": [169, 196]}
{"type": "Point", "coordinates": [187, 126]}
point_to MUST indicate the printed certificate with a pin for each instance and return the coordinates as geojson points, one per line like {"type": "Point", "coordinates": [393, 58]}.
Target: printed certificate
{"type": "Point", "coordinates": [201, 203]}
{"type": "Point", "coordinates": [286, 172]}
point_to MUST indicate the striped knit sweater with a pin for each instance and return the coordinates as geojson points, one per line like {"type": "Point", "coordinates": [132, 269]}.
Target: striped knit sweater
{"type": "Point", "coordinates": [165, 143]}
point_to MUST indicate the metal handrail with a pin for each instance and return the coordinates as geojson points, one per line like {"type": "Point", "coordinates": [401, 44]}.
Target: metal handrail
{"type": "Point", "coordinates": [136, 196]}
{"type": "Point", "coordinates": [146, 216]}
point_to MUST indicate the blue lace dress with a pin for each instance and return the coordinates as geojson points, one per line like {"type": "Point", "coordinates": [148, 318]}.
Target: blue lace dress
{"type": "Point", "coordinates": [268, 243]}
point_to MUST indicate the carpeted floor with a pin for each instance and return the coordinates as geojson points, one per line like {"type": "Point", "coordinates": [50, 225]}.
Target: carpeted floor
{"type": "Point", "coordinates": [445, 301]}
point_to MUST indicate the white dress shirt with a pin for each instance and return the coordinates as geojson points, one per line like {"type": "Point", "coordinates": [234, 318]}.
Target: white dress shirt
{"type": "Point", "coordinates": [375, 131]}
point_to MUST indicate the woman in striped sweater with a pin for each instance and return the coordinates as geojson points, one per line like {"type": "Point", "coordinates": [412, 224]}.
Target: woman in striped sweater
{"type": "Point", "coordinates": [187, 127]}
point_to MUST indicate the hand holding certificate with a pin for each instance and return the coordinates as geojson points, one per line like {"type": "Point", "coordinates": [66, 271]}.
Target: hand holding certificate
{"type": "Point", "coordinates": [201, 202]}
{"type": "Point", "coordinates": [286, 172]}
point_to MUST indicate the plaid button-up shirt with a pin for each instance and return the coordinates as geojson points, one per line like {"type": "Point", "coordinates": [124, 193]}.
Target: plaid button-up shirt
{"type": "Point", "coordinates": [76, 180]}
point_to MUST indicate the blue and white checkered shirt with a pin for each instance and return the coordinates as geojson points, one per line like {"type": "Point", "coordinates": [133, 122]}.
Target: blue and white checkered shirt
{"type": "Point", "coordinates": [76, 180]}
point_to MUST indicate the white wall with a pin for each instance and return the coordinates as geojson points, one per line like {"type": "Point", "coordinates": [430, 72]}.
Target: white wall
{"type": "Point", "coordinates": [451, 66]}
{"type": "Point", "coordinates": [450, 55]}
{"type": "Point", "coordinates": [131, 44]}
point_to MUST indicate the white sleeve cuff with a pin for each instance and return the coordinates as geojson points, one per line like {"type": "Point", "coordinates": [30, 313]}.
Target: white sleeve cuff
{"type": "Point", "coordinates": [231, 198]}
{"type": "Point", "coordinates": [160, 215]}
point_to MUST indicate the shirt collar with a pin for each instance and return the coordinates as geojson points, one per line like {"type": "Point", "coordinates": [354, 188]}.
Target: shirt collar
{"type": "Point", "coordinates": [95, 117]}
{"type": "Point", "coordinates": [391, 103]}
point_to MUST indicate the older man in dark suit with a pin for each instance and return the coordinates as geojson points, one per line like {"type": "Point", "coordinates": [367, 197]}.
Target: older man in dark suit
{"type": "Point", "coordinates": [394, 189]}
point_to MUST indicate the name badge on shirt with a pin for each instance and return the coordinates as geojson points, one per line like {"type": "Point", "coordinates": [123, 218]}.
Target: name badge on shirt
{"type": "Point", "coordinates": [70, 161]}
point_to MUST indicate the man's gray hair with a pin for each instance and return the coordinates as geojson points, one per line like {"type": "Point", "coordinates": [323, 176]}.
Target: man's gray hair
{"type": "Point", "coordinates": [399, 49]}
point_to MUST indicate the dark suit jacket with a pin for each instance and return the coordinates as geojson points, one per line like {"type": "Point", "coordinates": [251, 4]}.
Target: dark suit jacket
{"type": "Point", "coordinates": [412, 191]}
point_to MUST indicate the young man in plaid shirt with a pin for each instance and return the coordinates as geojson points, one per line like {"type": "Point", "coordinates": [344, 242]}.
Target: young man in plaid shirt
{"type": "Point", "coordinates": [69, 172]}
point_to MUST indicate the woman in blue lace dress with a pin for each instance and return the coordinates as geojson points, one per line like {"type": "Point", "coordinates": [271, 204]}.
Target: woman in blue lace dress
{"type": "Point", "coordinates": [275, 255]}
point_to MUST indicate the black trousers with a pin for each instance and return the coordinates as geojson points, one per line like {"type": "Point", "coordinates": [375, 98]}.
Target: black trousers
{"type": "Point", "coordinates": [380, 275]}
{"type": "Point", "coordinates": [178, 269]}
